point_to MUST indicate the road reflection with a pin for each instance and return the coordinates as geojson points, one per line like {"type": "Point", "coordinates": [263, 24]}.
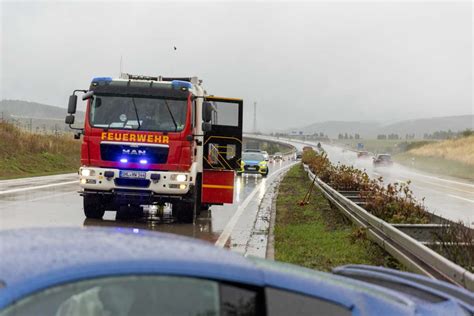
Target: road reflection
{"type": "Point", "coordinates": [202, 228]}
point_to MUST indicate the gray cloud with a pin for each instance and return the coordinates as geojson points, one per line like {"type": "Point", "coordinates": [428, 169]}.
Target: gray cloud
{"type": "Point", "coordinates": [301, 62]}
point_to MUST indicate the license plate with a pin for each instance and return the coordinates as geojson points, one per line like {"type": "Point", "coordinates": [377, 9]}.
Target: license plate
{"type": "Point", "coordinates": [132, 174]}
{"type": "Point", "coordinates": [252, 168]}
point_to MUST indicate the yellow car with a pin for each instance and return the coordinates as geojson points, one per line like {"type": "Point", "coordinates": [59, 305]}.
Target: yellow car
{"type": "Point", "coordinates": [253, 163]}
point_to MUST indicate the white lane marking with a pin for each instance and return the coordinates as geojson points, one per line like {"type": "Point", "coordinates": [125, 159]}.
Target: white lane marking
{"type": "Point", "coordinates": [50, 196]}
{"type": "Point", "coordinates": [38, 187]}
{"type": "Point", "coordinates": [445, 186]}
{"type": "Point", "coordinates": [225, 235]}
{"type": "Point", "coordinates": [54, 176]}
{"type": "Point", "coordinates": [440, 179]}
{"type": "Point", "coordinates": [461, 198]}
{"type": "Point", "coordinates": [38, 199]}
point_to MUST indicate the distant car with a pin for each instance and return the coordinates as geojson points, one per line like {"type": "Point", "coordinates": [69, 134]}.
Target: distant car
{"type": "Point", "coordinates": [252, 150]}
{"type": "Point", "coordinates": [265, 154]}
{"type": "Point", "coordinates": [127, 271]}
{"type": "Point", "coordinates": [278, 156]}
{"type": "Point", "coordinates": [299, 155]}
{"type": "Point", "coordinates": [383, 160]}
{"type": "Point", "coordinates": [254, 163]}
{"type": "Point", "coordinates": [363, 154]}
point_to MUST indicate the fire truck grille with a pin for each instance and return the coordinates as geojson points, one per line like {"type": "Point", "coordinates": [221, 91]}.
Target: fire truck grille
{"type": "Point", "coordinates": [115, 152]}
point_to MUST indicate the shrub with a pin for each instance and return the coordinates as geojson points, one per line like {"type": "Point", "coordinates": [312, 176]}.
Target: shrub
{"type": "Point", "coordinates": [393, 203]}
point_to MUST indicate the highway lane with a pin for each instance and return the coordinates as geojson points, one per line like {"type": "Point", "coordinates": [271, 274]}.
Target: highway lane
{"type": "Point", "coordinates": [447, 197]}
{"type": "Point", "coordinates": [451, 198]}
{"type": "Point", "coordinates": [54, 201]}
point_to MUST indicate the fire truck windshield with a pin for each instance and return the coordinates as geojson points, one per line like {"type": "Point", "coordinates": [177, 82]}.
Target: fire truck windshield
{"type": "Point", "coordinates": [149, 114]}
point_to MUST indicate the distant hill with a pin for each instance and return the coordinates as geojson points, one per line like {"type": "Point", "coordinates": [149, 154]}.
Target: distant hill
{"type": "Point", "coordinates": [333, 128]}
{"type": "Point", "coordinates": [430, 125]}
{"type": "Point", "coordinates": [18, 108]}
{"type": "Point", "coordinates": [370, 129]}
{"type": "Point", "coordinates": [36, 117]}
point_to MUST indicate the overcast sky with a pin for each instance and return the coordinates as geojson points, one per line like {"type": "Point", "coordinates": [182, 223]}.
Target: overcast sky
{"type": "Point", "coordinates": [301, 62]}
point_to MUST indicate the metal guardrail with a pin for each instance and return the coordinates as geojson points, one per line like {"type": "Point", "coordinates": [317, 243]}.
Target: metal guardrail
{"type": "Point", "coordinates": [409, 251]}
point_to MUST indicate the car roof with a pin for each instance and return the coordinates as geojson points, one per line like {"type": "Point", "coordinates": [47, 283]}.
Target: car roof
{"type": "Point", "coordinates": [37, 258]}
{"type": "Point", "coordinates": [254, 153]}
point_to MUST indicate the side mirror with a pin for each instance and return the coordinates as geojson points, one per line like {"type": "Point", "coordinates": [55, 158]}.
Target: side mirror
{"type": "Point", "coordinates": [206, 126]}
{"type": "Point", "coordinates": [69, 119]}
{"type": "Point", "coordinates": [71, 107]}
{"type": "Point", "coordinates": [207, 109]}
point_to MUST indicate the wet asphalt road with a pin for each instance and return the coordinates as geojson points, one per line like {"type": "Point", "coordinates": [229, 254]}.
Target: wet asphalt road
{"type": "Point", "coordinates": [54, 201]}
{"type": "Point", "coordinates": [451, 198]}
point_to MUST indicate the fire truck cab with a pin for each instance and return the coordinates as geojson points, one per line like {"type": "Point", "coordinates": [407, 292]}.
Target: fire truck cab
{"type": "Point", "coordinates": [156, 140]}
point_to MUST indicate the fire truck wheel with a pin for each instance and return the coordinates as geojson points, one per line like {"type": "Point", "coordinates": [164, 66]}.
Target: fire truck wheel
{"type": "Point", "coordinates": [183, 211]}
{"type": "Point", "coordinates": [93, 206]}
{"type": "Point", "coordinates": [198, 195]}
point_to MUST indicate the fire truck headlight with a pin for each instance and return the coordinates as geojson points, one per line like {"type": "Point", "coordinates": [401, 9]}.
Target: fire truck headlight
{"type": "Point", "coordinates": [87, 172]}
{"type": "Point", "coordinates": [179, 177]}
{"type": "Point", "coordinates": [182, 186]}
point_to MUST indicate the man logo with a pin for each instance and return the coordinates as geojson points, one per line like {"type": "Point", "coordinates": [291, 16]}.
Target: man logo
{"type": "Point", "coordinates": [136, 152]}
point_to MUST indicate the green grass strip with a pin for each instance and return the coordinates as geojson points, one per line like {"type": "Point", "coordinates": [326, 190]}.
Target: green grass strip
{"type": "Point", "coordinates": [317, 236]}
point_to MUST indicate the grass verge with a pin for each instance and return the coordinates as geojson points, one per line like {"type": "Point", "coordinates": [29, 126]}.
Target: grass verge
{"type": "Point", "coordinates": [317, 236]}
{"type": "Point", "coordinates": [23, 154]}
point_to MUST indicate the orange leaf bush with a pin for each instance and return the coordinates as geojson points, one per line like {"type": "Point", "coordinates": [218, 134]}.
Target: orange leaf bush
{"type": "Point", "coordinates": [393, 203]}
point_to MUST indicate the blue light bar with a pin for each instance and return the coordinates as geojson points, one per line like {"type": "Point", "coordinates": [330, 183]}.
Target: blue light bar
{"type": "Point", "coordinates": [183, 85]}
{"type": "Point", "coordinates": [102, 79]}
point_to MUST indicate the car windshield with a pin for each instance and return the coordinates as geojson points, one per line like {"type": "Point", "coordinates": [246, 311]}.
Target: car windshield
{"type": "Point", "coordinates": [252, 157]}
{"type": "Point", "coordinates": [384, 157]}
{"type": "Point", "coordinates": [129, 295]}
{"type": "Point", "coordinates": [148, 114]}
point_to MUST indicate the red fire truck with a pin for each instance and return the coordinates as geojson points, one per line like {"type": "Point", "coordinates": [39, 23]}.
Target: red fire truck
{"type": "Point", "coordinates": [156, 140]}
